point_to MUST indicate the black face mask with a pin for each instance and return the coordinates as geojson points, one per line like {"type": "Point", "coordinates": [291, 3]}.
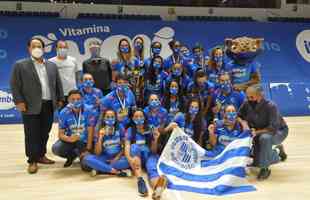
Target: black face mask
{"type": "Point", "coordinates": [253, 104]}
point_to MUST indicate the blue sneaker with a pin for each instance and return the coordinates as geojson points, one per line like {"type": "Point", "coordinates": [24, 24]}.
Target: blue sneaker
{"type": "Point", "coordinates": [142, 189]}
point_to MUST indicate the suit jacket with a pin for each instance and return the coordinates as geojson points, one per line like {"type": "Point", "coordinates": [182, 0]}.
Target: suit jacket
{"type": "Point", "coordinates": [26, 85]}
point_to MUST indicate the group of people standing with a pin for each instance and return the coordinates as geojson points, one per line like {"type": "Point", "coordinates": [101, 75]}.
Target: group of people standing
{"type": "Point", "coordinates": [118, 115]}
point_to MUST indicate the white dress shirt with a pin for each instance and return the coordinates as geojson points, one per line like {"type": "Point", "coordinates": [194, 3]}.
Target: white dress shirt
{"type": "Point", "coordinates": [41, 70]}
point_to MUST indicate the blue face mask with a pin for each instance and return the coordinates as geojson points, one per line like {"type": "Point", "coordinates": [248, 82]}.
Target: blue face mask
{"type": "Point", "coordinates": [197, 55]}
{"type": "Point", "coordinates": [154, 103]}
{"type": "Point", "coordinates": [139, 121]}
{"type": "Point", "coordinates": [174, 91]}
{"type": "Point", "coordinates": [177, 72]}
{"type": "Point", "coordinates": [124, 49]}
{"type": "Point", "coordinates": [187, 54]}
{"type": "Point", "coordinates": [109, 121]}
{"type": "Point", "coordinates": [218, 59]}
{"type": "Point", "coordinates": [77, 104]}
{"type": "Point", "coordinates": [88, 83]}
{"type": "Point", "coordinates": [226, 87]}
{"type": "Point", "coordinates": [193, 110]}
{"type": "Point", "coordinates": [138, 46]}
{"type": "Point", "coordinates": [231, 116]}
{"type": "Point", "coordinates": [157, 65]}
{"type": "Point", "coordinates": [156, 50]}
{"type": "Point", "coordinates": [176, 50]}
{"type": "Point", "coordinates": [123, 88]}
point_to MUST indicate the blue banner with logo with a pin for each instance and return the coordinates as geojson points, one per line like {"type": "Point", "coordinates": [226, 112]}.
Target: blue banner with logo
{"type": "Point", "coordinates": [285, 61]}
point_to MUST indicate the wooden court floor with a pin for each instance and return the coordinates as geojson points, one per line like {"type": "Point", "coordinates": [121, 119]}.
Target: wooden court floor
{"type": "Point", "coordinates": [289, 180]}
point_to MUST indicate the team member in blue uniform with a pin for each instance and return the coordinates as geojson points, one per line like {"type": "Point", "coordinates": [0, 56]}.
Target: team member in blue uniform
{"type": "Point", "coordinates": [121, 100]}
{"type": "Point", "coordinates": [202, 89]}
{"type": "Point", "coordinates": [76, 127]}
{"type": "Point", "coordinates": [188, 62]}
{"type": "Point", "coordinates": [124, 62]}
{"type": "Point", "coordinates": [226, 96]}
{"type": "Point", "coordinates": [244, 75]}
{"type": "Point", "coordinates": [200, 59]}
{"type": "Point", "coordinates": [216, 65]}
{"type": "Point", "coordinates": [155, 78]}
{"type": "Point", "coordinates": [138, 70]}
{"type": "Point", "coordinates": [91, 95]}
{"type": "Point", "coordinates": [157, 182]}
{"type": "Point", "coordinates": [157, 116]}
{"type": "Point", "coordinates": [193, 123]}
{"type": "Point", "coordinates": [178, 73]}
{"type": "Point", "coordinates": [109, 155]}
{"type": "Point", "coordinates": [173, 100]}
{"type": "Point", "coordinates": [175, 58]}
{"type": "Point", "coordinates": [223, 132]}
{"type": "Point", "coordinates": [155, 51]}
{"type": "Point", "coordinates": [137, 142]}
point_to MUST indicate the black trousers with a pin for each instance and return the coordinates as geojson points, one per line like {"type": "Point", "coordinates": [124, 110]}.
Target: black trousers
{"type": "Point", "coordinates": [37, 128]}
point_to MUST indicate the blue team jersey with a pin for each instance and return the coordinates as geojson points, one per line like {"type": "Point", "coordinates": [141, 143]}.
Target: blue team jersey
{"type": "Point", "coordinates": [120, 67]}
{"type": "Point", "coordinates": [214, 74]}
{"type": "Point", "coordinates": [111, 101]}
{"type": "Point", "coordinates": [226, 136]}
{"type": "Point", "coordinates": [184, 81]}
{"type": "Point", "coordinates": [191, 68]}
{"type": "Point", "coordinates": [77, 124]}
{"type": "Point", "coordinates": [201, 62]}
{"type": "Point", "coordinates": [159, 85]}
{"type": "Point", "coordinates": [207, 90]}
{"type": "Point", "coordinates": [175, 108]}
{"type": "Point", "coordinates": [235, 98]}
{"type": "Point", "coordinates": [157, 120]}
{"type": "Point", "coordinates": [112, 144]}
{"type": "Point", "coordinates": [188, 127]}
{"type": "Point", "coordinates": [140, 138]}
{"type": "Point", "coordinates": [170, 61]}
{"type": "Point", "coordinates": [242, 73]}
{"type": "Point", "coordinates": [90, 98]}
{"type": "Point", "coordinates": [138, 63]}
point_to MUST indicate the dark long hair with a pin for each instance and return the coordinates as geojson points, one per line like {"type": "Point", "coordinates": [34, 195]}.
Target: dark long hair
{"type": "Point", "coordinates": [167, 95]}
{"type": "Point", "coordinates": [134, 126]}
{"type": "Point", "coordinates": [151, 76]}
{"type": "Point", "coordinates": [211, 62]}
{"type": "Point", "coordinates": [181, 77]}
{"type": "Point", "coordinates": [195, 89]}
{"type": "Point", "coordinates": [141, 52]}
{"type": "Point", "coordinates": [197, 122]}
{"type": "Point", "coordinates": [101, 123]}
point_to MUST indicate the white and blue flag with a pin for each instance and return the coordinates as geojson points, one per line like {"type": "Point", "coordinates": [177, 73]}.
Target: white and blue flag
{"type": "Point", "coordinates": [187, 168]}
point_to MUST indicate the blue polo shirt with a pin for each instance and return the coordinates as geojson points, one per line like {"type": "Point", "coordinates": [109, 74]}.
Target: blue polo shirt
{"type": "Point", "coordinates": [74, 123]}
{"type": "Point", "coordinates": [111, 101]}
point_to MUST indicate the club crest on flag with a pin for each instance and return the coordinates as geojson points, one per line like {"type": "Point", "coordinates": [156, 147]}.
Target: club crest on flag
{"type": "Point", "coordinates": [183, 153]}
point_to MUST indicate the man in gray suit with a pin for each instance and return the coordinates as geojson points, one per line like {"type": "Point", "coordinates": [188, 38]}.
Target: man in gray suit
{"type": "Point", "coordinates": [37, 91]}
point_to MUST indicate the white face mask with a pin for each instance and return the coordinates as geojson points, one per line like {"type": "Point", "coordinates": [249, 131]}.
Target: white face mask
{"type": "Point", "coordinates": [62, 52]}
{"type": "Point", "coordinates": [37, 52]}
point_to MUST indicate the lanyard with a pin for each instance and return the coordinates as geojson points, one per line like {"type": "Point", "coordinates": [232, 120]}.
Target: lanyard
{"type": "Point", "coordinates": [175, 61]}
{"type": "Point", "coordinates": [122, 103]}
{"type": "Point", "coordinates": [78, 123]}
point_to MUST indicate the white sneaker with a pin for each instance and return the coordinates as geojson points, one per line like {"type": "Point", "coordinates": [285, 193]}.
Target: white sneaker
{"type": "Point", "coordinates": [93, 173]}
{"type": "Point", "coordinates": [160, 187]}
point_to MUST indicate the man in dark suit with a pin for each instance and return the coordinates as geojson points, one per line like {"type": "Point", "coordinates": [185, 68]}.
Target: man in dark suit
{"type": "Point", "coordinates": [37, 91]}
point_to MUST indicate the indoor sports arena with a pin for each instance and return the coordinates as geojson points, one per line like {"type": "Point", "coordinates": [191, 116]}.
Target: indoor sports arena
{"type": "Point", "coordinates": [156, 99]}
